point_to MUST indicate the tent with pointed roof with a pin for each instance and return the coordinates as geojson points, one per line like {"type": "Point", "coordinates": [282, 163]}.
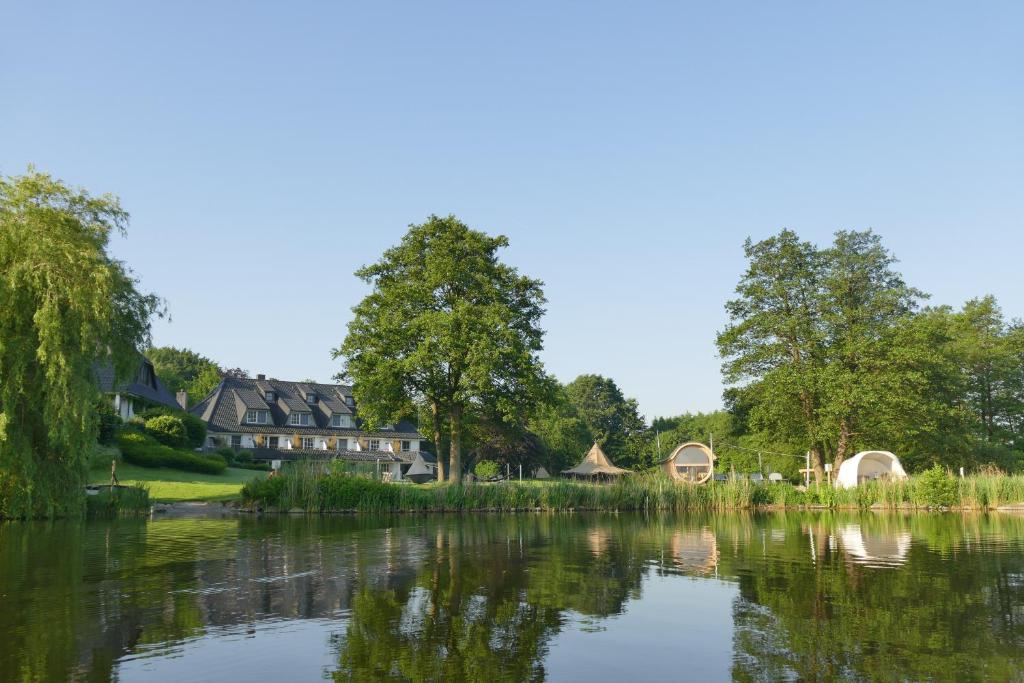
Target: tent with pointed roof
{"type": "Point", "coordinates": [595, 464]}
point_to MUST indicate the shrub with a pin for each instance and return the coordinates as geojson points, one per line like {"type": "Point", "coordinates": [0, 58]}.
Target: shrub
{"type": "Point", "coordinates": [487, 470]}
{"type": "Point", "coordinates": [195, 429]}
{"type": "Point", "coordinates": [935, 488]}
{"type": "Point", "coordinates": [109, 422]}
{"type": "Point", "coordinates": [168, 430]}
{"type": "Point", "coordinates": [140, 449]}
{"type": "Point", "coordinates": [264, 492]}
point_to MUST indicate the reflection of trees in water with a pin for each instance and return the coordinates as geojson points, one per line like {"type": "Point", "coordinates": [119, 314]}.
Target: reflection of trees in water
{"type": "Point", "coordinates": [846, 615]}
{"type": "Point", "coordinates": [463, 597]}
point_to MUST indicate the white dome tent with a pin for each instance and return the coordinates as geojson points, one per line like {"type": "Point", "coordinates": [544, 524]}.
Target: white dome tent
{"type": "Point", "coordinates": [869, 465]}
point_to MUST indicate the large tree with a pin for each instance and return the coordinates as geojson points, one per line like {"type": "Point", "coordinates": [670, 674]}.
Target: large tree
{"type": "Point", "coordinates": [448, 325]}
{"type": "Point", "coordinates": [823, 342]}
{"type": "Point", "coordinates": [66, 304]}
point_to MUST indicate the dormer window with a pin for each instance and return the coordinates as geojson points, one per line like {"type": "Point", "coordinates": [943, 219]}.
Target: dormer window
{"type": "Point", "coordinates": [389, 426]}
{"type": "Point", "coordinates": [350, 401]}
{"type": "Point", "coordinates": [311, 399]}
{"type": "Point", "coordinates": [270, 396]}
{"type": "Point", "coordinates": [342, 421]}
{"type": "Point", "coordinates": [300, 419]}
{"type": "Point", "coordinates": [257, 417]}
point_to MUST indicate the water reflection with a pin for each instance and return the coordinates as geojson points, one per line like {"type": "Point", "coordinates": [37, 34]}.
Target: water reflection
{"type": "Point", "coordinates": [785, 596]}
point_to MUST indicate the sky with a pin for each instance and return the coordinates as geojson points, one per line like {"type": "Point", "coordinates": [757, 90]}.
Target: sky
{"type": "Point", "coordinates": [267, 150]}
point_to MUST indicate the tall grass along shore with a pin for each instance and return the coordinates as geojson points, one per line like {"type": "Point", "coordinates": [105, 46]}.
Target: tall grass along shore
{"type": "Point", "coordinates": [319, 489]}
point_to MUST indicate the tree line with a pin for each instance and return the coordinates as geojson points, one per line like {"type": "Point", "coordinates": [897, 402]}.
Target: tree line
{"type": "Point", "coordinates": [827, 351]}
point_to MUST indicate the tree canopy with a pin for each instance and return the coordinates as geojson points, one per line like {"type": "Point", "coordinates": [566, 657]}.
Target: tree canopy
{"type": "Point", "coordinates": [447, 325]}
{"type": "Point", "coordinates": [829, 349]}
{"type": "Point", "coordinates": [67, 304]}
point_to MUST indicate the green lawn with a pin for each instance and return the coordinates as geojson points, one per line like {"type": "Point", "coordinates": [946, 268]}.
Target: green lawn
{"type": "Point", "coordinates": [166, 485]}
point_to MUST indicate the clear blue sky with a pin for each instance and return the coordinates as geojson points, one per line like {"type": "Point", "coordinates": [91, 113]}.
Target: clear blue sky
{"type": "Point", "coordinates": [266, 150]}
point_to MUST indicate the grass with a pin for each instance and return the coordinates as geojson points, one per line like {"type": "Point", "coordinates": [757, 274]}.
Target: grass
{"type": "Point", "coordinates": [315, 487]}
{"type": "Point", "coordinates": [167, 485]}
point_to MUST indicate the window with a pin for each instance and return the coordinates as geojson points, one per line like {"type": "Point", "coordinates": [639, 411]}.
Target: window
{"type": "Point", "coordinates": [307, 442]}
{"type": "Point", "coordinates": [236, 440]}
{"type": "Point", "coordinates": [311, 399]}
{"type": "Point", "coordinates": [272, 442]}
{"type": "Point", "coordinates": [388, 426]}
{"type": "Point", "coordinates": [300, 419]}
{"type": "Point", "coordinates": [350, 401]}
{"type": "Point", "coordinates": [341, 444]}
{"type": "Point", "coordinates": [260, 417]}
{"type": "Point", "coordinates": [374, 444]}
{"type": "Point", "coordinates": [406, 446]}
{"type": "Point", "coordinates": [271, 396]}
{"type": "Point", "coordinates": [341, 421]}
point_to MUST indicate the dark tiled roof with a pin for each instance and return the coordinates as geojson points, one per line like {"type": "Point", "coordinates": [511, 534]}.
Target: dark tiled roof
{"type": "Point", "coordinates": [224, 409]}
{"type": "Point", "coordinates": [145, 384]}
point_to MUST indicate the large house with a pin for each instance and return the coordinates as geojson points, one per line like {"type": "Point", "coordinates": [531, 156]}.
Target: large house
{"type": "Point", "coordinates": [142, 391]}
{"type": "Point", "coordinates": [279, 420]}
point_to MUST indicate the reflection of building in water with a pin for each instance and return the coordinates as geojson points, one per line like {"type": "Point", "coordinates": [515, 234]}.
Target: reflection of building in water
{"type": "Point", "coordinates": [874, 548]}
{"type": "Point", "coordinates": [597, 539]}
{"type": "Point", "coordinates": [694, 551]}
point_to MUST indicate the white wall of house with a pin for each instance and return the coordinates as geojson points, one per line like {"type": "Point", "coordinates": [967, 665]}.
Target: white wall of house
{"type": "Point", "coordinates": [124, 406]}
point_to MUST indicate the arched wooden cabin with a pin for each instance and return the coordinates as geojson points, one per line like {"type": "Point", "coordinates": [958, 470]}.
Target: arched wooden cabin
{"type": "Point", "coordinates": [691, 462]}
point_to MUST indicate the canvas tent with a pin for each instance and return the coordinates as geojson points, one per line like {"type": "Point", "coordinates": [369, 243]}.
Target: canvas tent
{"type": "Point", "coordinates": [541, 473]}
{"type": "Point", "coordinates": [423, 468]}
{"type": "Point", "coordinates": [869, 465]}
{"type": "Point", "coordinates": [693, 462]}
{"type": "Point", "coordinates": [595, 464]}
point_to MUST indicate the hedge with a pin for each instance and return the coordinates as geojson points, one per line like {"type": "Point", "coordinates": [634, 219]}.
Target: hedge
{"type": "Point", "coordinates": [140, 449]}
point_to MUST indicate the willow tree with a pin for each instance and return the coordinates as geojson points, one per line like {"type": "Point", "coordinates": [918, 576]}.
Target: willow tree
{"type": "Point", "coordinates": [448, 325]}
{"type": "Point", "coordinates": [66, 304]}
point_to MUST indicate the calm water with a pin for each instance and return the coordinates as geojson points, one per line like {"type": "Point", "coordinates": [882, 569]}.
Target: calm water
{"type": "Point", "coordinates": [809, 596]}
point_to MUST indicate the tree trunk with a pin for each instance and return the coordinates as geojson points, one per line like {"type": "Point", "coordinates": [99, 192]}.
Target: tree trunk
{"type": "Point", "coordinates": [817, 460]}
{"type": "Point", "coordinates": [435, 415]}
{"type": "Point", "coordinates": [455, 452]}
{"type": "Point", "coordinates": [842, 447]}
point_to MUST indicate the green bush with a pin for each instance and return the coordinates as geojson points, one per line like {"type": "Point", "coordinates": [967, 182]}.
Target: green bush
{"type": "Point", "coordinates": [109, 422]}
{"type": "Point", "coordinates": [487, 470]}
{"type": "Point", "coordinates": [264, 492]}
{"type": "Point", "coordinates": [195, 428]}
{"type": "Point", "coordinates": [935, 488]}
{"type": "Point", "coordinates": [140, 449]}
{"type": "Point", "coordinates": [168, 430]}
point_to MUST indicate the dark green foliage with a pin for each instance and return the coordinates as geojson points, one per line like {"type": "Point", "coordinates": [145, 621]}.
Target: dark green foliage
{"type": "Point", "coordinates": [62, 297]}
{"type": "Point", "coordinates": [168, 430]}
{"type": "Point", "coordinates": [264, 492]}
{"type": "Point", "coordinates": [486, 470]}
{"type": "Point", "coordinates": [449, 326]}
{"type": "Point", "coordinates": [140, 449]}
{"type": "Point", "coordinates": [613, 420]}
{"type": "Point", "coordinates": [109, 422]}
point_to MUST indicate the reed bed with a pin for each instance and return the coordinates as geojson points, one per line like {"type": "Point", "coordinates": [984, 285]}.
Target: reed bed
{"type": "Point", "coordinates": [320, 488]}
{"type": "Point", "coordinates": [127, 501]}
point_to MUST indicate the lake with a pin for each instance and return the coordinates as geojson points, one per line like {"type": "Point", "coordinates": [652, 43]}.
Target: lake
{"type": "Point", "coordinates": [746, 597]}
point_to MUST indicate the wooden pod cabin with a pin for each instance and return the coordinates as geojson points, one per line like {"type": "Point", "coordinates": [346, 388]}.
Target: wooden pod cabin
{"type": "Point", "coordinates": [691, 462]}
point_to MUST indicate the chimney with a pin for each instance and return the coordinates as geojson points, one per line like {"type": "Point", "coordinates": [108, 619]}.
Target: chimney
{"type": "Point", "coordinates": [182, 398]}
{"type": "Point", "coordinates": [261, 376]}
